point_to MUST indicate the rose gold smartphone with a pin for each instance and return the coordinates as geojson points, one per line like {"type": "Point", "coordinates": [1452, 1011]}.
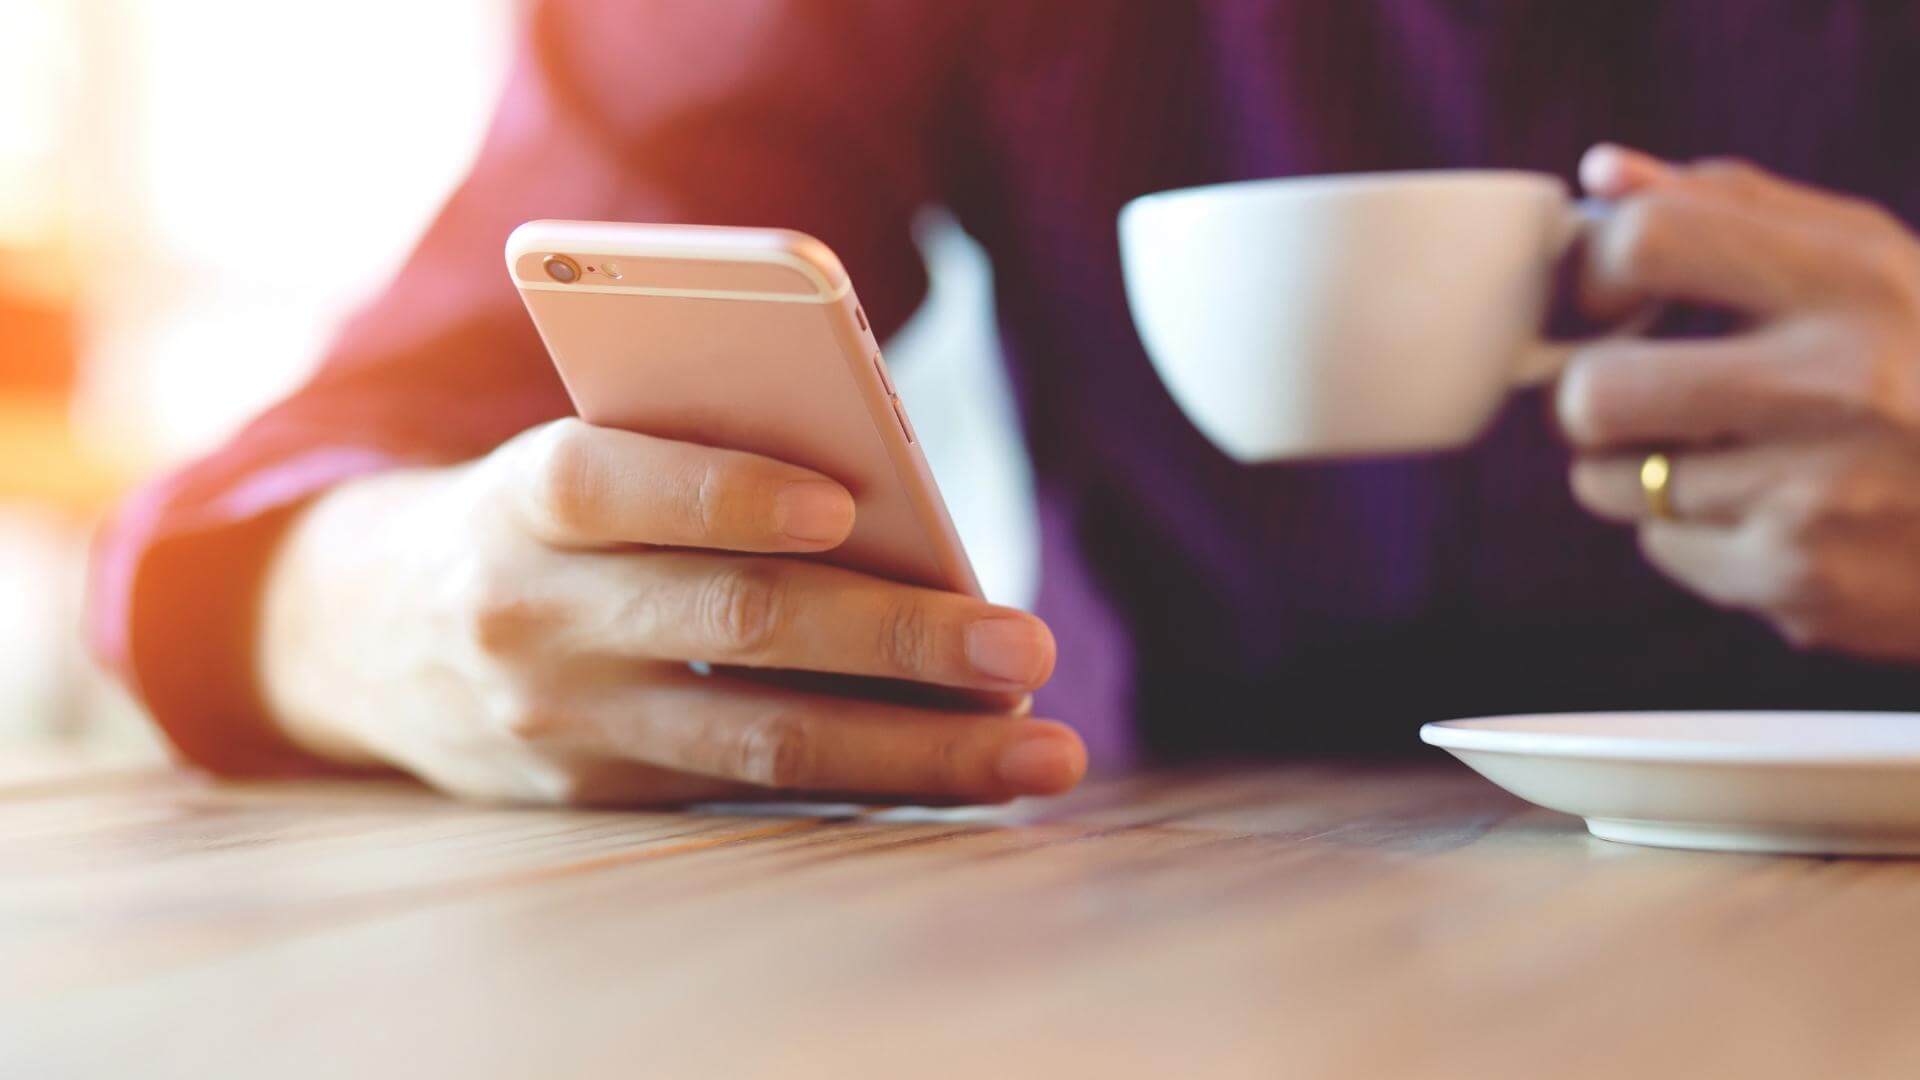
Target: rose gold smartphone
{"type": "Point", "coordinates": [746, 339]}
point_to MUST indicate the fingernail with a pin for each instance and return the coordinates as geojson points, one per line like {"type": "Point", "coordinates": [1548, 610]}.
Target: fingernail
{"type": "Point", "coordinates": [1010, 649]}
{"type": "Point", "coordinates": [1600, 168]}
{"type": "Point", "coordinates": [1041, 765]}
{"type": "Point", "coordinates": [1609, 168]}
{"type": "Point", "coordinates": [813, 511]}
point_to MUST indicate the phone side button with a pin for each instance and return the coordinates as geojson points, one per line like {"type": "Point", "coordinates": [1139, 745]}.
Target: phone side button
{"type": "Point", "coordinates": [900, 414]}
{"type": "Point", "coordinates": [880, 369]}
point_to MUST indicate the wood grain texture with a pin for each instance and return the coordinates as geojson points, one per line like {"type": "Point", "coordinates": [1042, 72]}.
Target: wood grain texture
{"type": "Point", "coordinates": [1312, 920]}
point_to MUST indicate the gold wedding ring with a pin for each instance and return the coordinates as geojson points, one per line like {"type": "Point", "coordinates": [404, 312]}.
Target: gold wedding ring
{"type": "Point", "coordinates": [1656, 481]}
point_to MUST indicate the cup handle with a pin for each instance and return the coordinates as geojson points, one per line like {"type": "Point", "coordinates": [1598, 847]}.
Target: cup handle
{"type": "Point", "coordinates": [1543, 361]}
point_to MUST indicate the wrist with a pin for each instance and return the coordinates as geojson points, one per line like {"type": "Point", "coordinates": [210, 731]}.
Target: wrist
{"type": "Point", "coordinates": [324, 610]}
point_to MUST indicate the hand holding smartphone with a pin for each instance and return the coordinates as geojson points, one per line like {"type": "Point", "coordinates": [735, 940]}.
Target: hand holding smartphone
{"type": "Point", "coordinates": [744, 498]}
{"type": "Point", "coordinates": [743, 339]}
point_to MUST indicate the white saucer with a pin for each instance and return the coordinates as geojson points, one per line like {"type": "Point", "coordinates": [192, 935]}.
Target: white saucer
{"type": "Point", "coordinates": [1810, 783]}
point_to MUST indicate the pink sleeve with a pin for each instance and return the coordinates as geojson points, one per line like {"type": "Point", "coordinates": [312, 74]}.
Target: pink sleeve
{"type": "Point", "coordinates": [761, 112]}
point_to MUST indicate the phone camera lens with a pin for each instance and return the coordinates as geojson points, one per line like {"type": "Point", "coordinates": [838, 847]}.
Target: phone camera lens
{"type": "Point", "coordinates": [561, 269]}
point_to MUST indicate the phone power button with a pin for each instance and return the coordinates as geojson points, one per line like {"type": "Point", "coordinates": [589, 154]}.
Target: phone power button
{"type": "Point", "coordinates": [900, 414]}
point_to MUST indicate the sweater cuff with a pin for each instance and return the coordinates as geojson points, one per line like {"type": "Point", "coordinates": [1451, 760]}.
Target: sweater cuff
{"type": "Point", "coordinates": [175, 598]}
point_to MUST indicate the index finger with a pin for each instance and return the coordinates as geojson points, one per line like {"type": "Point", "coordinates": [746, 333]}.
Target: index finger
{"type": "Point", "coordinates": [581, 485]}
{"type": "Point", "coordinates": [1611, 171]}
{"type": "Point", "coordinates": [1667, 242]}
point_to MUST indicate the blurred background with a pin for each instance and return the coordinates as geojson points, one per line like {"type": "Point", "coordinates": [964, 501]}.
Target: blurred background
{"type": "Point", "coordinates": [157, 160]}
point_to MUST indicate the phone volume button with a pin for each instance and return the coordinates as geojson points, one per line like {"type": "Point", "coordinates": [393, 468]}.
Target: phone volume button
{"type": "Point", "coordinates": [900, 414]}
{"type": "Point", "coordinates": [880, 369]}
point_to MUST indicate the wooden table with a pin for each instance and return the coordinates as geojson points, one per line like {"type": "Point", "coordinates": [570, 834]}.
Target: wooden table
{"type": "Point", "coordinates": [1286, 921]}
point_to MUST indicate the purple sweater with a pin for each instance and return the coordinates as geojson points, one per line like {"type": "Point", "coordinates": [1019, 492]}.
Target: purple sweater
{"type": "Point", "coordinates": [1201, 606]}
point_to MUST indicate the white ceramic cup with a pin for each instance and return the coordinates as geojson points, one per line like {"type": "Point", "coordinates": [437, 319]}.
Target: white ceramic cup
{"type": "Point", "coordinates": [1341, 315]}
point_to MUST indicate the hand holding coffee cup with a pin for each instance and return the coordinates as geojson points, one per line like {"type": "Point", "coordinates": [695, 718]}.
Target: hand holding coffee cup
{"type": "Point", "coordinates": [1342, 315]}
{"type": "Point", "coordinates": [1774, 468]}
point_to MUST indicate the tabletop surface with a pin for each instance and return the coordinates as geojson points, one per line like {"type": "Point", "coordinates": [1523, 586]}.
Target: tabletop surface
{"type": "Point", "coordinates": [1302, 920]}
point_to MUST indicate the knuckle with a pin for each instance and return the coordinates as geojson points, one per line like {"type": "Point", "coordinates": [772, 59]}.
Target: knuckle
{"type": "Point", "coordinates": [907, 636]}
{"type": "Point", "coordinates": [743, 608]}
{"type": "Point", "coordinates": [486, 602]}
{"type": "Point", "coordinates": [950, 766]}
{"type": "Point", "coordinates": [1800, 631]}
{"type": "Point", "coordinates": [1808, 588]}
{"type": "Point", "coordinates": [1795, 513]}
{"type": "Point", "coordinates": [503, 622]}
{"type": "Point", "coordinates": [1734, 171]}
{"type": "Point", "coordinates": [1890, 261]}
{"type": "Point", "coordinates": [776, 752]}
{"type": "Point", "coordinates": [1862, 375]}
{"type": "Point", "coordinates": [1854, 490]}
{"type": "Point", "coordinates": [719, 498]}
{"type": "Point", "coordinates": [1871, 381]}
{"type": "Point", "coordinates": [711, 498]}
{"type": "Point", "coordinates": [1800, 583]}
{"type": "Point", "coordinates": [555, 786]}
{"type": "Point", "coordinates": [565, 482]}
{"type": "Point", "coordinates": [694, 500]}
{"type": "Point", "coordinates": [526, 719]}
{"type": "Point", "coordinates": [1893, 393]}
